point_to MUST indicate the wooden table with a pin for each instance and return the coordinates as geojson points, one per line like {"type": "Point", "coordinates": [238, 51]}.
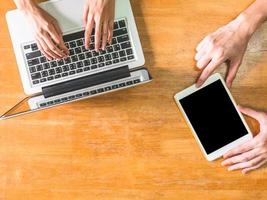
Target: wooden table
{"type": "Point", "coordinates": [132, 144]}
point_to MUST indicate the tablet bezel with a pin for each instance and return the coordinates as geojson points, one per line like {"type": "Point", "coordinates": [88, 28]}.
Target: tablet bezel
{"type": "Point", "coordinates": [219, 152]}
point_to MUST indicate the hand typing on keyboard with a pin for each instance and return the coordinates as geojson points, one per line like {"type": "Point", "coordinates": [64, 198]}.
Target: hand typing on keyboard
{"type": "Point", "coordinates": [46, 30]}
{"type": "Point", "coordinates": [99, 14]}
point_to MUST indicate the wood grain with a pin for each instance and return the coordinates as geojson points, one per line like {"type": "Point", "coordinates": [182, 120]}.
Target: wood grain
{"type": "Point", "coordinates": [132, 144]}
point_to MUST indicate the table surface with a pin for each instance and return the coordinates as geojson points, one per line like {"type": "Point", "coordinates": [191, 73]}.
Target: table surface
{"type": "Point", "coordinates": [132, 144]}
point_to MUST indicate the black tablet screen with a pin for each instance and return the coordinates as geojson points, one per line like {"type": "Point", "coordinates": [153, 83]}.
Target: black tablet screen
{"type": "Point", "coordinates": [213, 116]}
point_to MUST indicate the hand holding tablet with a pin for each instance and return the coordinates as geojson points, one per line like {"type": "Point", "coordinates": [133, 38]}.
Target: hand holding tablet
{"type": "Point", "coordinates": [219, 127]}
{"type": "Point", "coordinates": [213, 117]}
{"type": "Point", "coordinates": [252, 154]}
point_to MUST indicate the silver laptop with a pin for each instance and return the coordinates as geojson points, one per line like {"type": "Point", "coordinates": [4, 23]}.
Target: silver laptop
{"type": "Point", "coordinates": [85, 73]}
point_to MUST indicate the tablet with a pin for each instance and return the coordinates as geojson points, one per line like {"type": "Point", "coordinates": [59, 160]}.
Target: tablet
{"type": "Point", "coordinates": [213, 117]}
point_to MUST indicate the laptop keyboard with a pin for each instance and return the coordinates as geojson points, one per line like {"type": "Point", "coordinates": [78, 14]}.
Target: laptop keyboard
{"type": "Point", "coordinates": [80, 60]}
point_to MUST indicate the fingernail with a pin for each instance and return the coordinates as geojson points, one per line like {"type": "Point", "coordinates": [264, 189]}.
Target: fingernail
{"type": "Point", "coordinates": [230, 169]}
{"type": "Point", "coordinates": [223, 163]}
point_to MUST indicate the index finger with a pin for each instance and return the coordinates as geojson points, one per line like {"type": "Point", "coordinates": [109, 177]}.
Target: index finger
{"type": "Point", "coordinates": [88, 31]}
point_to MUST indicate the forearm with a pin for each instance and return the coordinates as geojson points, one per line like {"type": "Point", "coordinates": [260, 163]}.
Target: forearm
{"type": "Point", "coordinates": [255, 15]}
{"type": "Point", "coordinates": [27, 6]}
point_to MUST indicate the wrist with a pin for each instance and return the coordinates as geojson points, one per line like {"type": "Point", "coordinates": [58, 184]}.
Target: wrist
{"type": "Point", "coordinates": [255, 15]}
{"type": "Point", "coordinates": [27, 7]}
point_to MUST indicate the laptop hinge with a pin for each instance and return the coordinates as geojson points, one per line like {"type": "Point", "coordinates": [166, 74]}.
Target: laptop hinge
{"type": "Point", "coordinates": [86, 81]}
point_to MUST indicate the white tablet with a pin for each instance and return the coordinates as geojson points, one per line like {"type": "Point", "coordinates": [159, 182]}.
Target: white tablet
{"type": "Point", "coordinates": [213, 117]}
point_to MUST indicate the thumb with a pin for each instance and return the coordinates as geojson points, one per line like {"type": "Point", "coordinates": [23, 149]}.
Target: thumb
{"type": "Point", "coordinates": [252, 113]}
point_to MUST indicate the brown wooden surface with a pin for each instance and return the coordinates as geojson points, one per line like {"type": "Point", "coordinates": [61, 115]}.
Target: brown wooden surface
{"type": "Point", "coordinates": [132, 144]}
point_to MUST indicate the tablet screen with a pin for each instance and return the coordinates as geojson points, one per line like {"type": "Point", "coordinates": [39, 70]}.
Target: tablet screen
{"type": "Point", "coordinates": [213, 116]}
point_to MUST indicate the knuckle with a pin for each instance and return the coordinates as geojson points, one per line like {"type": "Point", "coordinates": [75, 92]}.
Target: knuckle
{"type": "Point", "coordinates": [220, 52]}
{"type": "Point", "coordinates": [210, 39]}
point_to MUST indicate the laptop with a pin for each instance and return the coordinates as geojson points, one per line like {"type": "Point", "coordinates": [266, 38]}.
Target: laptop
{"type": "Point", "coordinates": [85, 73]}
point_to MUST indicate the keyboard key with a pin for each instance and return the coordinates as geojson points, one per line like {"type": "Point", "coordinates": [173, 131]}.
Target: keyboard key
{"type": "Point", "coordinates": [58, 70]}
{"type": "Point", "coordinates": [108, 57]}
{"type": "Point", "coordinates": [81, 56]}
{"type": "Point", "coordinates": [80, 64]}
{"type": "Point", "coordinates": [114, 41]}
{"type": "Point", "coordinates": [125, 45]}
{"type": "Point", "coordinates": [129, 83]}
{"type": "Point", "coordinates": [103, 52]}
{"type": "Point", "coordinates": [43, 80]}
{"type": "Point", "coordinates": [130, 57]}
{"type": "Point", "coordinates": [79, 70]}
{"type": "Point", "coordinates": [73, 66]}
{"type": "Point", "coordinates": [57, 76]}
{"type": "Point", "coordinates": [86, 94]}
{"type": "Point", "coordinates": [93, 61]}
{"type": "Point", "coordinates": [34, 47]}
{"type": "Point", "coordinates": [32, 69]}
{"type": "Point", "coordinates": [123, 38]}
{"type": "Point", "coordinates": [50, 78]}
{"type": "Point", "coordinates": [123, 59]}
{"type": "Point", "coordinates": [39, 68]}
{"type": "Point", "coordinates": [129, 51]}
{"type": "Point", "coordinates": [115, 55]}
{"type": "Point", "coordinates": [78, 50]}
{"type": "Point", "coordinates": [33, 62]}
{"type": "Point", "coordinates": [46, 66]}
{"type": "Point", "coordinates": [43, 59]}
{"type": "Point", "coordinates": [27, 47]}
{"type": "Point", "coordinates": [122, 23]}
{"type": "Point", "coordinates": [88, 55]}
{"type": "Point", "coordinates": [86, 69]}
{"type": "Point", "coordinates": [44, 73]}
{"type": "Point", "coordinates": [71, 52]}
{"type": "Point", "coordinates": [122, 53]}
{"type": "Point", "coordinates": [65, 74]}
{"type": "Point", "coordinates": [65, 68]}
{"type": "Point", "coordinates": [119, 32]}
{"type": "Point", "coordinates": [108, 63]}
{"type": "Point", "coordinates": [34, 54]}
{"type": "Point", "coordinates": [93, 92]}
{"type": "Point", "coordinates": [122, 85]}
{"type": "Point", "coordinates": [79, 42]}
{"type": "Point", "coordinates": [72, 44]}
{"type": "Point", "coordinates": [74, 58]}
{"type": "Point", "coordinates": [95, 53]}
{"type": "Point", "coordinates": [84, 49]}
{"type": "Point", "coordinates": [67, 60]}
{"type": "Point", "coordinates": [60, 62]}
{"type": "Point", "coordinates": [72, 72]}
{"type": "Point", "coordinates": [51, 72]}
{"type": "Point", "coordinates": [137, 81]}
{"type": "Point", "coordinates": [43, 104]}
{"type": "Point", "coordinates": [93, 66]}
{"type": "Point", "coordinates": [101, 65]}
{"type": "Point", "coordinates": [36, 76]}
{"type": "Point", "coordinates": [91, 46]}
{"type": "Point", "coordinates": [116, 61]}
{"type": "Point", "coordinates": [108, 88]}
{"type": "Point", "coordinates": [100, 59]}
{"type": "Point", "coordinates": [100, 90]}
{"type": "Point", "coordinates": [116, 47]}
{"type": "Point", "coordinates": [116, 25]}
{"type": "Point", "coordinates": [110, 49]}
{"type": "Point", "coordinates": [115, 86]}
{"type": "Point", "coordinates": [35, 82]}
{"type": "Point", "coordinates": [86, 62]}
{"type": "Point", "coordinates": [53, 64]}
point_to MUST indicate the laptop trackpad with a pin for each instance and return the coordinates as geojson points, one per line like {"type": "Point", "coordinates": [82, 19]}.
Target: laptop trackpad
{"type": "Point", "coordinates": [67, 12]}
